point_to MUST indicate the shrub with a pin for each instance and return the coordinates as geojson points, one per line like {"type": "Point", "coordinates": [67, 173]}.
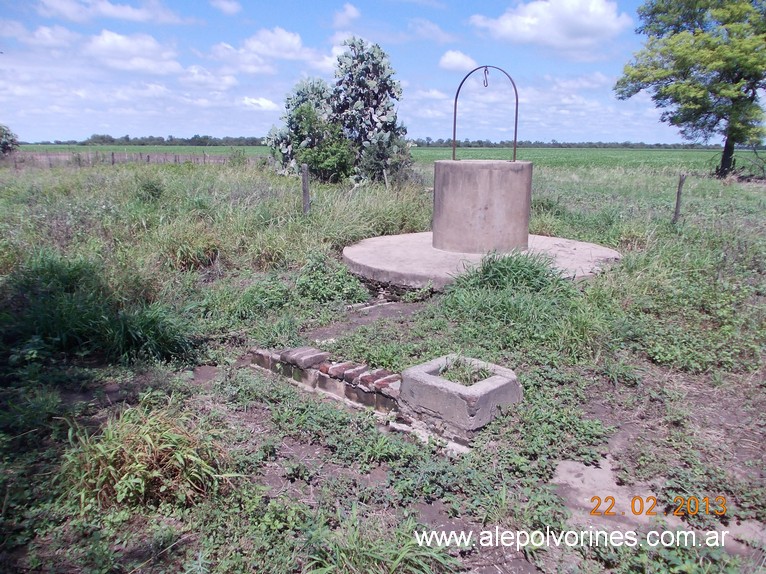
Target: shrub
{"type": "Point", "coordinates": [66, 305]}
{"type": "Point", "coordinates": [523, 272]}
{"type": "Point", "coordinates": [9, 142]}
{"type": "Point", "coordinates": [323, 279]}
{"type": "Point", "coordinates": [323, 148]}
{"type": "Point", "coordinates": [354, 125]}
{"type": "Point", "coordinates": [142, 456]}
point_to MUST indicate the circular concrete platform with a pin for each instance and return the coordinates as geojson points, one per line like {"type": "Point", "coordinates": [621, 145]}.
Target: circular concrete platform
{"type": "Point", "coordinates": [411, 260]}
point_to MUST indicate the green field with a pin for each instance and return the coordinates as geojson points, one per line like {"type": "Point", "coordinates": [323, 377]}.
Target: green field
{"type": "Point", "coordinates": [690, 160]}
{"type": "Point", "coordinates": [135, 438]}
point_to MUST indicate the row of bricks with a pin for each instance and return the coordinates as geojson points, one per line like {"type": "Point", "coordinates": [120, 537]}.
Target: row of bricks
{"type": "Point", "coordinates": [376, 388]}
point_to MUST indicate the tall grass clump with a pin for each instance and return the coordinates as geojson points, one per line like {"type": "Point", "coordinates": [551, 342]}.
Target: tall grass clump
{"type": "Point", "coordinates": [521, 303]}
{"type": "Point", "coordinates": [144, 455]}
{"type": "Point", "coordinates": [323, 279]}
{"type": "Point", "coordinates": [67, 306]}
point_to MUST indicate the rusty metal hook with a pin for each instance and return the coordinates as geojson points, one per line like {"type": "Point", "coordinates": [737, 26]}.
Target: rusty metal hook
{"type": "Point", "coordinates": [486, 83]}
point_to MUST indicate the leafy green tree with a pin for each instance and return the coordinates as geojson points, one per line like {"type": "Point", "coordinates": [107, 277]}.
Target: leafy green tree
{"type": "Point", "coordinates": [9, 141]}
{"type": "Point", "coordinates": [704, 64]}
{"type": "Point", "coordinates": [286, 140]}
{"type": "Point", "coordinates": [351, 126]}
{"type": "Point", "coordinates": [328, 154]}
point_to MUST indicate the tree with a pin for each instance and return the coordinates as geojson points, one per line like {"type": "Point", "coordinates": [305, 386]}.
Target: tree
{"type": "Point", "coordinates": [704, 64]}
{"type": "Point", "coordinates": [286, 140]}
{"type": "Point", "coordinates": [364, 103]}
{"type": "Point", "coordinates": [9, 141]}
{"type": "Point", "coordinates": [357, 116]}
{"type": "Point", "coordinates": [328, 154]}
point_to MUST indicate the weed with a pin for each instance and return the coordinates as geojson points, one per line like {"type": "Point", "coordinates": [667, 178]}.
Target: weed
{"type": "Point", "coordinates": [463, 372]}
{"type": "Point", "coordinates": [416, 295]}
{"type": "Point", "coordinates": [149, 188]}
{"type": "Point", "coordinates": [144, 456]}
{"type": "Point", "coordinates": [62, 305]}
{"type": "Point", "coordinates": [323, 279]}
{"type": "Point", "coordinates": [374, 546]}
{"type": "Point", "coordinates": [236, 158]}
{"type": "Point", "coordinates": [515, 271]}
{"type": "Point", "coordinates": [27, 416]}
{"type": "Point", "coordinates": [620, 373]}
{"type": "Point", "coordinates": [189, 246]}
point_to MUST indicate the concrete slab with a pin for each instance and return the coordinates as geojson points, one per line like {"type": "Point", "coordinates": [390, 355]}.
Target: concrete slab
{"type": "Point", "coordinates": [410, 260]}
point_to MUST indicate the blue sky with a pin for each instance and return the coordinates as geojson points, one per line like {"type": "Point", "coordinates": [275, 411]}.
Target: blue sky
{"type": "Point", "coordinates": [72, 68]}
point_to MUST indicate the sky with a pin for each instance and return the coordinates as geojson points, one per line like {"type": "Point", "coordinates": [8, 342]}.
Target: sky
{"type": "Point", "coordinates": [73, 68]}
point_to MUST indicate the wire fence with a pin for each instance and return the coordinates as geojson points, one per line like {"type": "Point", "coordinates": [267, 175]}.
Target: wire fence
{"type": "Point", "coordinates": [23, 159]}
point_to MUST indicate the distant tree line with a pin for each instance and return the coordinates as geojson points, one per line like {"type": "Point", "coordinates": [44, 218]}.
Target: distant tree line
{"type": "Point", "coordinates": [447, 142]}
{"type": "Point", "coordinates": [195, 140]}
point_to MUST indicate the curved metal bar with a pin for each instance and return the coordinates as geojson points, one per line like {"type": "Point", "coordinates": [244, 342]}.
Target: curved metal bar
{"type": "Point", "coordinates": [516, 114]}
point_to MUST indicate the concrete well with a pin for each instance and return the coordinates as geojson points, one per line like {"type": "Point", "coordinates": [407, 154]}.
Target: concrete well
{"type": "Point", "coordinates": [462, 408]}
{"type": "Point", "coordinates": [481, 205]}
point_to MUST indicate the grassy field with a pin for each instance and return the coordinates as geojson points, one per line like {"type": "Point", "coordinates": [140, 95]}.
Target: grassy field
{"type": "Point", "coordinates": [133, 440]}
{"type": "Point", "coordinates": [703, 161]}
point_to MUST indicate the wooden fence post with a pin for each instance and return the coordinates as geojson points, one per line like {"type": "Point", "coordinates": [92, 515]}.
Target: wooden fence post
{"type": "Point", "coordinates": [305, 186]}
{"type": "Point", "coordinates": [677, 213]}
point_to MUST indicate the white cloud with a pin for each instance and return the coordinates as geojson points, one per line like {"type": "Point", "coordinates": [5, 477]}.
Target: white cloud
{"type": "Point", "coordinates": [257, 53]}
{"type": "Point", "coordinates": [135, 53]}
{"type": "Point", "coordinates": [276, 43]}
{"type": "Point", "coordinates": [199, 76]}
{"type": "Point", "coordinates": [345, 16]}
{"type": "Point", "coordinates": [456, 61]}
{"type": "Point", "coordinates": [44, 36]}
{"type": "Point", "coordinates": [242, 60]}
{"type": "Point", "coordinates": [83, 10]}
{"type": "Point", "coordinates": [428, 30]}
{"type": "Point", "coordinates": [12, 29]}
{"type": "Point", "coordinates": [55, 37]}
{"type": "Point", "coordinates": [260, 104]}
{"type": "Point", "coordinates": [431, 94]}
{"type": "Point", "coordinates": [228, 7]}
{"type": "Point", "coordinates": [594, 81]}
{"type": "Point", "coordinates": [562, 24]}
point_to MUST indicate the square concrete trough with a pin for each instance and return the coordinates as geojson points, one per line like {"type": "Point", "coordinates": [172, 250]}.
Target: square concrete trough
{"type": "Point", "coordinates": [464, 407]}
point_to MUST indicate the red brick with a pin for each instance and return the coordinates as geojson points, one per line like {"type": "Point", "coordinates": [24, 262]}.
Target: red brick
{"type": "Point", "coordinates": [352, 394]}
{"type": "Point", "coordinates": [339, 369]}
{"type": "Point", "coordinates": [309, 359]}
{"type": "Point", "coordinates": [352, 374]}
{"type": "Point", "coordinates": [365, 397]}
{"type": "Point", "coordinates": [368, 379]}
{"type": "Point", "coordinates": [304, 357]}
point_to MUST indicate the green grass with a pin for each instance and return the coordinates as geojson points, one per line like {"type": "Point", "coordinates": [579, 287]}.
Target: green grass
{"type": "Point", "coordinates": [648, 159]}
{"type": "Point", "coordinates": [128, 276]}
{"type": "Point", "coordinates": [690, 160]}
